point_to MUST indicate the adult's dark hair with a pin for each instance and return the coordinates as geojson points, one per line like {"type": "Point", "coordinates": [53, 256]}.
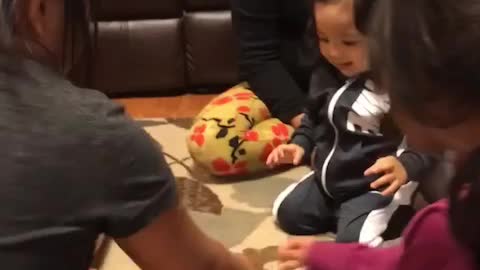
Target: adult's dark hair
{"type": "Point", "coordinates": [77, 25]}
{"type": "Point", "coordinates": [425, 53]}
{"type": "Point", "coordinates": [77, 22]}
{"type": "Point", "coordinates": [6, 23]}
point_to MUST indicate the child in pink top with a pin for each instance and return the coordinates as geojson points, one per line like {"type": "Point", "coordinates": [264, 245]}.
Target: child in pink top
{"type": "Point", "coordinates": [428, 244]}
{"type": "Point", "coordinates": [426, 55]}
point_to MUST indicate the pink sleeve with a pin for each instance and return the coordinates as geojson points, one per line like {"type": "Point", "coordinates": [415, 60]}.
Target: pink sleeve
{"type": "Point", "coordinates": [429, 228]}
{"type": "Point", "coordinates": [331, 256]}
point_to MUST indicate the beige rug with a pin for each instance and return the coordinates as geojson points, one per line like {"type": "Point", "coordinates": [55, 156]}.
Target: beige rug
{"type": "Point", "coordinates": [237, 212]}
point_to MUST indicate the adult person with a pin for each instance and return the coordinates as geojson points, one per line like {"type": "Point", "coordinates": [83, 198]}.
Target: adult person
{"type": "Point", "coordinates": [73, 165]}
{"type": "Point", "coordinates": [279, 53]}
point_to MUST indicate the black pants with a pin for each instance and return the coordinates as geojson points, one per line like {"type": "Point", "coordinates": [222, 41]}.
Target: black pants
{"type": "Point", "coordinates": [305, 209]}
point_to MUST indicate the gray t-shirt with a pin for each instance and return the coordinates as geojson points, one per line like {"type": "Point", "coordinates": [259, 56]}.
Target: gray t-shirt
{"type": "Point", "coordinates": [72, 166]}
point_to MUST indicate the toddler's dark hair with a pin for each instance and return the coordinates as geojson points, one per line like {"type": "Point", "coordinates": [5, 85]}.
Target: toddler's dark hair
{"type": "Point", "coordinates": [362, 11]}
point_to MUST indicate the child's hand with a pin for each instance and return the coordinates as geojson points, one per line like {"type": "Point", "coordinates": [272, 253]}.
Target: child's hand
{"type": "Point", "coordinates": [286, 154]}
{"type": "Point", "coordinates": [294, 253]}
{"type": "Point", "coordinates": [394, 175]}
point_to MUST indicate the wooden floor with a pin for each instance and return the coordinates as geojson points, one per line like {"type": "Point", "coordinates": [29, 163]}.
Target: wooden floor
{"type": "Point", "coordinates": [186, 106]}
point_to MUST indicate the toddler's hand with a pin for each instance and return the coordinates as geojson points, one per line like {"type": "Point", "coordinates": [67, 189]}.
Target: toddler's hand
{"type": "Point", "coordinates": [294, 253]}
{"type": "Point", "coordinates": [286, 154]}
{"type": "Point", "coordinates": [297, 120]}
{"type": "Point", "coordinates": [394, 175]}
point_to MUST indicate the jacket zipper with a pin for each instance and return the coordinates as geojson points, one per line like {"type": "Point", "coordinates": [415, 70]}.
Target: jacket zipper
{"type": "Point", "coordinates": [331, 110]}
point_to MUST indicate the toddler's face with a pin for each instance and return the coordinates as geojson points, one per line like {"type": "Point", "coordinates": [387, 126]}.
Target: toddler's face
{"type": "Point", "coordinates": [339, 40]}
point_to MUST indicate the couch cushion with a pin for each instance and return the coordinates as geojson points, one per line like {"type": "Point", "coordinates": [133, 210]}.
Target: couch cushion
{"type": "Point", "coordinates": [139, 56]}
{"type": "Point", "coordinates": [138, 9]}
{"type": "Point", "coordinates": [196, 5]}
{"type": "Point", "coordinates": [211, 48]}
{"type": "Point", "coordinates": [163, 47]}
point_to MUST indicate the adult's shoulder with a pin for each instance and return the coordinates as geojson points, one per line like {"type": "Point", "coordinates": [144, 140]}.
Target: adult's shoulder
{"type": "Point", "coordinates": [134, 183]}
{"type": "Point", "coordinates": [102, 126]}
{"type": "Point", "coordinates": [109, 119]}
{"type": "Point", "coordinates": [93, 101]}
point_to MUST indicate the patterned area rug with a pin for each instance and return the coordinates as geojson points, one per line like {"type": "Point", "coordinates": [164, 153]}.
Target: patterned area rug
{"type": "Point", "coordinates": [237, 212]}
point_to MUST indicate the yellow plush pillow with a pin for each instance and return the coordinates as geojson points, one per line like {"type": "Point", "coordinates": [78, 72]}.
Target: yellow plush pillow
{"type": "Point", "coordinates": [234, 134]}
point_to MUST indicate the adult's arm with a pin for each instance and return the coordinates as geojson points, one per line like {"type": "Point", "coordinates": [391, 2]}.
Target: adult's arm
{"type": "Point", "coordinates": [257, 24]}
{"type": "Point", "coordinates": [173, 241]}
{"type": "Point", "coordinates": [150, 225]}
{"type": "Point", "coordinates": [139, 205]}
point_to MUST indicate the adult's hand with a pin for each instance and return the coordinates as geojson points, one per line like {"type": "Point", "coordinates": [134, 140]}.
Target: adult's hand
{"type": "Point", "coordinates": [173, 241]}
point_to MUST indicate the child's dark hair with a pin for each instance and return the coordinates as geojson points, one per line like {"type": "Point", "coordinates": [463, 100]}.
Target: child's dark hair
{"type": "Point", "coordinates": [425, 54]}
{"type": "Point", "coordinates": [464, 203]}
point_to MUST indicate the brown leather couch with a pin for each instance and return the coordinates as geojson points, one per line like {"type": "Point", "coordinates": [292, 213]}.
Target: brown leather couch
{"type": "Point", "coordinates": [164, 47]}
